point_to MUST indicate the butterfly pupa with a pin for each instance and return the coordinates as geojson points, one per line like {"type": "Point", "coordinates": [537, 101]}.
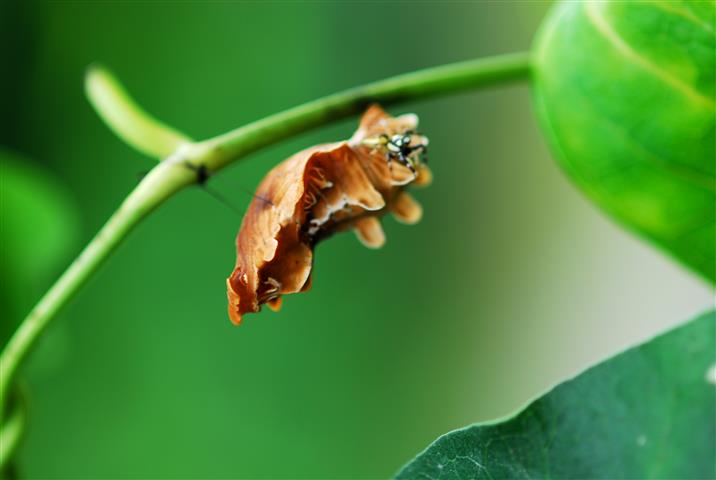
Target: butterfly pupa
{"type": "Point", "coordinates": [316, 193]}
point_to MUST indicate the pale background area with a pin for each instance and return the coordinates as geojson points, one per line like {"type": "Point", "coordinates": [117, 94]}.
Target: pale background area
{"type": "Point", "coordinates": [512, 282]}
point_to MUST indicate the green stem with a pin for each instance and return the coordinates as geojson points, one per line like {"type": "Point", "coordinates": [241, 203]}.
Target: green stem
{"type": "Point", "coordinates": [128, 120]}
{"type": "Point", "coordinates": [420, 84]}
{"type": "Point", "coordinates": [11, 430]}
{"type": "Point", "coordinates": [172, 175]}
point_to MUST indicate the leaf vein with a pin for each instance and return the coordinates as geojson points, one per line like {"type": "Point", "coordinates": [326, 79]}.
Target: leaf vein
{"type": "Point", "coordinates": [688, 15]}
{"type": "Point", "coordinates": [621, 46]}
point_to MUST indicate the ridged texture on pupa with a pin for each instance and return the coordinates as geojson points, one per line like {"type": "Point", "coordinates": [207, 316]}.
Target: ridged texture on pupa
{"type": "Point", "coordinates": [308, 197]}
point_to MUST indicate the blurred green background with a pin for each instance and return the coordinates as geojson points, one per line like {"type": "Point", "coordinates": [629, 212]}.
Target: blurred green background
{"type": "Point", "coordinates": [511, 282]}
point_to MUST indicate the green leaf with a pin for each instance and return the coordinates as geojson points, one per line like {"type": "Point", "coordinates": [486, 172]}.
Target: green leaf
{"type": "Point", "coordinates": [625, 92]}
{"type": "Point", "coordinates": [646, 413]}
{"type": "Point", "coordinates": [39, 225]}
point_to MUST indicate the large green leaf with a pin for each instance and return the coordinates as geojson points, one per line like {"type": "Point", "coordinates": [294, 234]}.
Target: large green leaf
{"type": "Point", "coordinates": [625, 92]}
{"type": "Point", "coordinates": [647, 413]}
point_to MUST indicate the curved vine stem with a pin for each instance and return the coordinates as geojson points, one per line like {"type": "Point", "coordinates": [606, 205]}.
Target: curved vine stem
{"type": "Point", "coordinates": [11, 429]}
{"type": "Point", "coordinates": [182, 167]}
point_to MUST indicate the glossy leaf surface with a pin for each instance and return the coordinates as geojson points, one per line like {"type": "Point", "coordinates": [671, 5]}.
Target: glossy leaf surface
{"type": "Point", "coordinates": [625, 93]}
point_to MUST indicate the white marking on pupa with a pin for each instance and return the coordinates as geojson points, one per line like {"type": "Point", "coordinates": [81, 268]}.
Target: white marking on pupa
{"type": "Point", "coordinates": [274, 284]}
{"type": "Point", "coordinates": [641, 440]}
{"type": "Point", "coordinates": [408, 120]}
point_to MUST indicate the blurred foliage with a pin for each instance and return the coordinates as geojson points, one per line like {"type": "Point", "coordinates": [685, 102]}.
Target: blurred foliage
{"type": "Point", "coordinates": [626, 92]}
{"type": "Point", "coordinates": [646, 413]}
{"type": "Point", "coordinates": [39, 225]}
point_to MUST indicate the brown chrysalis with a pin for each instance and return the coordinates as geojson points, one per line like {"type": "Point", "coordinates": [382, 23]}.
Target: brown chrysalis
{"type": "Point", "coordinates": [320, 191]}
